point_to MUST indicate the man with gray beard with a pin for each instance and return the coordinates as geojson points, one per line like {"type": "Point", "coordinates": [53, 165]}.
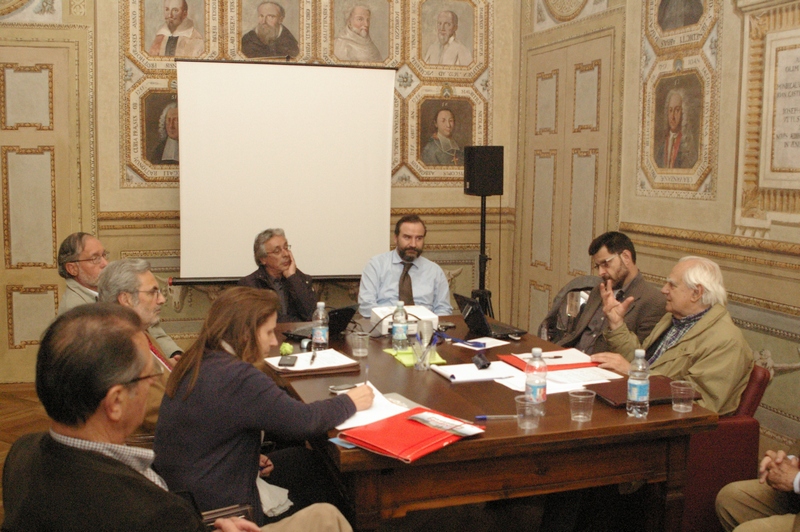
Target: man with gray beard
{"type": "Point", "coordinates": [354, 43]}
{"type": "Point", "coordinates": [270, 38]}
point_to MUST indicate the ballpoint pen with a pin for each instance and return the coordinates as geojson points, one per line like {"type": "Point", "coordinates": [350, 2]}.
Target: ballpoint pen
{"type": "Point", "coordinates": [489, 417]}
{"type": "Point", "coordinates": [313, 357]}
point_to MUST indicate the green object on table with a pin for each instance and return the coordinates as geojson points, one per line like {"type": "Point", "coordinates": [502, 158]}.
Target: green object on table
{"type": "Point", "coordinates": [286, 349]}
{"type": "Point", "coordinates": [406, 357]}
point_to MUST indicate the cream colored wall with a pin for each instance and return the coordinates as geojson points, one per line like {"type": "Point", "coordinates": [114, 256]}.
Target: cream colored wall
{"type": "Point", "coordinates": [759, 255]}
{"type": "Point", "coordinates": [96, 193]}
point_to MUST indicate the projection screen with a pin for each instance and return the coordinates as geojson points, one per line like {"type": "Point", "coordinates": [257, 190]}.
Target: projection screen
{"type": "Point", "coordinates": [304, 147]}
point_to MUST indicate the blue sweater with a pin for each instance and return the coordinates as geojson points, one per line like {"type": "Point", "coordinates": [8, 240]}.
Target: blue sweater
{"type": "Point", "coordinates": [208, 443]}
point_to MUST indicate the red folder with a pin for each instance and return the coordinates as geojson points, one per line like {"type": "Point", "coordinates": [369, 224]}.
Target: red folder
{"type": "Point", "coordinates": [520, 364]}
{"type": "Point", "coordinates": [400, 437]}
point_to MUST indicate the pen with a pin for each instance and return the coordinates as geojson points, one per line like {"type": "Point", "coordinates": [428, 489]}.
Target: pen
{"type": "Point", "coordinates": [488, 417]}
{"type": "Point", "coordinates": [552, 356]}
{"type": "Point", "coordinates": [313, 356]}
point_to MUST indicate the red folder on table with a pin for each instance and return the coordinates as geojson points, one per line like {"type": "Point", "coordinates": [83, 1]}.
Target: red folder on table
{"type": "Point", "coordinates": [406, 439]}
{"type": "Point", "coordinates": [520, 364]}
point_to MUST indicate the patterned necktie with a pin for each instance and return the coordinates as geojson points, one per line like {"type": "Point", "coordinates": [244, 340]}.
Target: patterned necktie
{"type": "Point", "coordinates": [172, 45]}
{"type": "Point", "coordinates": [158, 355]}
{"type": "Point", "coordinates": [620, 296]}
{"type": "Point", "coordinates": [406, 292]}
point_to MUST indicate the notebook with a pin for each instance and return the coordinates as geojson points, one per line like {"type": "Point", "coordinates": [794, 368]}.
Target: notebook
{"type": "Point", "coordinates": [338, 320]}
{"type": "Point", "coordinates": [478, 324]}
{"type": "Point", "coordinates": [615, 392]}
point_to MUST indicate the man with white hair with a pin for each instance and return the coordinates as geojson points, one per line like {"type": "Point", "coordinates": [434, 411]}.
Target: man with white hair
{"type": "Point", "coordinates": [678, 148]}
{"type": "Point", "coordinates": [166, 151]}
{"type": "Point", "coordinates": [354, 43]}
{"type": "Point", "coordinates": [447, 50]}
{"type": "Point", "coordinates": [696, 340]}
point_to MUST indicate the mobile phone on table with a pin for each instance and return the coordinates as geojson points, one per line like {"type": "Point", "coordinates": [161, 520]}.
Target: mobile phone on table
{"type": "Point", "coordinates": [287, 361]}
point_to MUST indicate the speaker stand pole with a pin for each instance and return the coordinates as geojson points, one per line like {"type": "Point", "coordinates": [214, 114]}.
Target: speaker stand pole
{"type": "Point", "coordinates": [483, 296]}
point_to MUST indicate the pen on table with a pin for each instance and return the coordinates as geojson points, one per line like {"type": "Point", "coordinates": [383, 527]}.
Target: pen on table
{"type": "Point", "coordinates": [489, 417]}
{"type": "Point", "coordinates": [313, 357]}
{"type": "Point", "coordinates": [552, 356]}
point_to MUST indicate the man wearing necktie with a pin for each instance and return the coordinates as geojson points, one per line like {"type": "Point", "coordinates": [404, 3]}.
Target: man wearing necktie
{"type": "Point", "coordinates": [614, 258]}
{"type": "Point", "coordinates": [403, 274]}
{"type": "Point", "coordinates": [130, 283]}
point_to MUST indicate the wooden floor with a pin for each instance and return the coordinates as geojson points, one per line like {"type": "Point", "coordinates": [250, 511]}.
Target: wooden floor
{"type": "Point", "coordinates": [21, 413]}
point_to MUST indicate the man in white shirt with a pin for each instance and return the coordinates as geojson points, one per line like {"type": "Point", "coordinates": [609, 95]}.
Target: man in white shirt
{"type": "Point", "coordinates": [177, 37]}
{"type": "Point", "coordinates": [447, 50]}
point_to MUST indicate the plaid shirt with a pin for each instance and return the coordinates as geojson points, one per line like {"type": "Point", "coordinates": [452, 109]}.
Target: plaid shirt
{"type": "Point", "coordinates": [678, 329]}
{"type": "Point", "coordinates": [139, 459]}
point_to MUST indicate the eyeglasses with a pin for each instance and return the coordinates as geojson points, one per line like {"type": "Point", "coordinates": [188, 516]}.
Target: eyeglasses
{"type": "Point", "coordinates": [153, 292]}
{"type": "Point", "coordinates": [277, 252]}
{"type": "Point", "coordinates": [145, 377]}
{"type": "Point", "coordinates": [605, 262]}
{"type": "Point", "coordinates": [97, 259]}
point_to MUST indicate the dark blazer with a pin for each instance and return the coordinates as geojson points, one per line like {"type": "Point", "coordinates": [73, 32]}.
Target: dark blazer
{"type": "Point", "coordinates": [301, 301]}
{"type": "Point", "coordinates": [646, 310]}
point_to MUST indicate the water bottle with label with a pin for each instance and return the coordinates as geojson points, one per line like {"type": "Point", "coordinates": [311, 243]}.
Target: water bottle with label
{"type": "Point", "coordinates": [639, 386]}
{"type": "Point", "coordinates": [319, 328]}
{"type": "Point", "coordinates": [536, 377]}
{"type": "Point", "coordinates": [400, 328]}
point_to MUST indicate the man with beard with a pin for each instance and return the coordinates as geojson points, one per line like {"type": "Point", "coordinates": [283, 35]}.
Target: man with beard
{"type": "Point", "coordinates": [441, 149]}
{"type": "Point", "coordinates": [614, 256]}
{"type": "Point", "coordinates": [270, 38]}
{"type": "Point", "coordinates": [354, 43]}
{"type": "Point", "coordinates": [177, 37]}
{"type": "Point", "coordinates": [447, 50]}
{"type": "Point", "coordinates": [166, 151]}
{"type": "Point", "coordinates": [404, 274]}
{"type": "Point", "coordinates": [277, 271]}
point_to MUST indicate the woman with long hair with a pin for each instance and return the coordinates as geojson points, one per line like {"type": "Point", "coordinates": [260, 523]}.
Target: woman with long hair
{"type": "Point", "coordinates": [217, 403]}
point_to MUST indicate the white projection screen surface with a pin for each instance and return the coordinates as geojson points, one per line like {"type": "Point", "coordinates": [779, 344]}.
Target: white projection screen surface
{"type": "Point", "coordinates": [301, 147]}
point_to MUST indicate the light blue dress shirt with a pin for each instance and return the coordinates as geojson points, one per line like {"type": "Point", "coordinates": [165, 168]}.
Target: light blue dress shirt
{"type": "Point", "coordinates": [380, 284]}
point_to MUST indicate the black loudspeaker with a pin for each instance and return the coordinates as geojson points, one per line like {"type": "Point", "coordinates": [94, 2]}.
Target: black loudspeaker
{"type": "Point", "coordinates": [483, 170]}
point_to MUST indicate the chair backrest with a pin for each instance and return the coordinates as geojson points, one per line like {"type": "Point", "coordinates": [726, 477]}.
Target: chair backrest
{"type": "Point", "coordinates": [556, 318]}
{"type": "Point", "coordinates": [753, 392]}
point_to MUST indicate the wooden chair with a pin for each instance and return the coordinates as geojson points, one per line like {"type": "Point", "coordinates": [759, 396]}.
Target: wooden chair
{"type": "Point", "coordinates": [726, 454]}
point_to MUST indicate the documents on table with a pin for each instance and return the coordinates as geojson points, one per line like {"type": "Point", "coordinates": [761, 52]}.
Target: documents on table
{"type": "Point", "coordinates": [327, 361]}
{"type": "Point", "coordinates": [556, 360]}
{"type": "Point", "coordinates": [487, 342]}
{"type": "Point", "coordinates": [456, 373]}
{"type": "Point", "coordinates": [381, 408]}
{"type": "Point", "coordinates": [410, 435]}
{"type": "Point", "coordinates": [565, 380]}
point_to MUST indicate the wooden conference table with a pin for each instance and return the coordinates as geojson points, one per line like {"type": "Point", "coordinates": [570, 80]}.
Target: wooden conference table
{"type": "Point", "coordinates": [505, 462]}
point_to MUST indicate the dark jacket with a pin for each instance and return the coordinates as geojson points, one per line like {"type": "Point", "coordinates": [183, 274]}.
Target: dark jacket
{"type": "Point", "coordinates": [300, 297]}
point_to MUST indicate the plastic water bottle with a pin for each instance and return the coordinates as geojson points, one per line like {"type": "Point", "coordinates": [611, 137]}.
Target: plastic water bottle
{"type": "Point", "coordinates": [639, 386]}
{"type": "Point", "coordinates": [319, 328]}
{"type": "Point", "coordinates": [536, 377]}
{"type": "Point", "coordinates": [400, 328]}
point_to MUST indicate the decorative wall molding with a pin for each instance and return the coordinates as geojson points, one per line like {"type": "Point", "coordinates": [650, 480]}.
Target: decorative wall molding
{"type": "Point", "coordinates": [736, 241]}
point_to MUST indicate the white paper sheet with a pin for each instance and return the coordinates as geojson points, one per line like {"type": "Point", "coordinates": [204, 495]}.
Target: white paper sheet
{"type": "Point", "coordinates": [456, 373]}
{"type": "Point", "coordinates": [381, 408]}
{"type": "Point", "coordinates": [564, 380]}
{"type": "Point", "coordinates": [327, 358]}
{"type": "Point", "coordinates": [489, 343]}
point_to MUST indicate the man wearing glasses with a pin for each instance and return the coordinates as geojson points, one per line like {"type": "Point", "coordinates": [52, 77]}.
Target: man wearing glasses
{"type": "Point", "coordinates": [92, 376]}
{"type": "Point", "coordinates": [130, 283]}
{"type": "Point", "coordinates": [277, 271]}
{"type": "Point", "coordinates": [614, 258]}
{"type": "Point", "coordinates": [81, 260]}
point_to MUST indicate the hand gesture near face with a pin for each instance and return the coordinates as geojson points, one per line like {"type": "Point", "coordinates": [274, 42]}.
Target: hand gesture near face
{"type": "Point", "coordinates": [614, 310]}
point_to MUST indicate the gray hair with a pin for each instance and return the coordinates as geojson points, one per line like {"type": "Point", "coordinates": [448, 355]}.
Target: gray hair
{"type": "Point", "coordinates": [162, 120]}
{"type": "Point", "coordinates": [83, 353]}
{"type": "Point", "coordinates": [261, 238]}
{"type": "Point", "coordinates": [121, 276]}
{"type": "Point", "coordinates": [706, 273]}
{"type": "Point", "coordinates": [69, 251]}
